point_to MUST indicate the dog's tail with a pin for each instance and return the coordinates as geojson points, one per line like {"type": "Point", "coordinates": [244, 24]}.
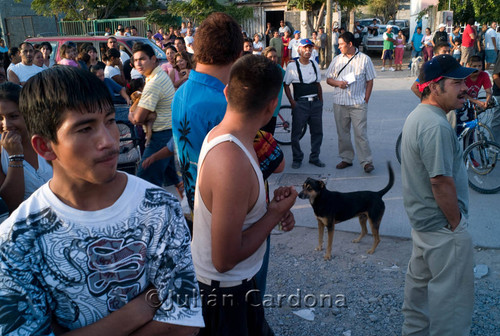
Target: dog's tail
{"type": "Point", "coordinates": [391, 180]}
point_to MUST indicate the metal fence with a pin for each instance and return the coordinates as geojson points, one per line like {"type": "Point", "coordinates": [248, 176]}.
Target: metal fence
{"type": "Point", "coordinates": [98, 27]}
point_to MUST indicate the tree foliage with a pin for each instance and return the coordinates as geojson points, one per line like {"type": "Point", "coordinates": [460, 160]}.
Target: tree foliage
{"type": "Point", "coordinates": [484, 11]}
{"type": "Point", "coordinates": [197, 10]}
{"type": "Point", "coordinates": [162, 18]}
{"type": "Point", "coordinates": [83, 9]}
{"type": "Point", "coordinates": [310, 5]}
{"type": "Point", "coordinates": [385, 8]}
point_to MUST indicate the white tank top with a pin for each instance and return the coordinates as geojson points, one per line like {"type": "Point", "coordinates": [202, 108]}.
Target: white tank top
{"type": "Point", "coordinates": [201, 247]}
{"type": "Point", "coordinates": [25, 72]}
{"type": "Point", "coordinates": [33, 179]}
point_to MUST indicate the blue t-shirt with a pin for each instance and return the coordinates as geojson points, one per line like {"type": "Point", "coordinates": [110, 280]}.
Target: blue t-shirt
{"type": "Point", "coordinates": [417, 41]}
{"type": "Point", "coordinates": [114, 90]}
{"type": "Point", "coordinates": [198, 106]}
{"type": "Point", "coordinates": [280, 95]}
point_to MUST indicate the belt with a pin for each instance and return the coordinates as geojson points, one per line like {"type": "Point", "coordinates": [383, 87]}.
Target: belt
{"type": "Point", "coordinates": [221, 284]}
{"type": "Point", "coordinates": [315, 98]}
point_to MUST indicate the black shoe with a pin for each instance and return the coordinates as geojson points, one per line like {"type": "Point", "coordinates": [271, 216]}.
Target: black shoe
{"type": "Point", "coordinates": [296, 164]}
{"type": "Point", "coordinates": [317, 163]}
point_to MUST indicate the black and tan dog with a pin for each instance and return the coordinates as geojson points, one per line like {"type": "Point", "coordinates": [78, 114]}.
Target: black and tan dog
{"type": "Point", "coordinates": [332, 207]}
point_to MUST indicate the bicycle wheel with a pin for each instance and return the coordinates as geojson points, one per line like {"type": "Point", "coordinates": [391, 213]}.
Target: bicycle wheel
{"type": "Point", "coordinates": [398, 147]}
{"type": "Point", "coordinates": [480, 133]}
{"type": "Point", "coordinates": [481, 161]}
{"type": "Point", "coordinates": [283, 130]}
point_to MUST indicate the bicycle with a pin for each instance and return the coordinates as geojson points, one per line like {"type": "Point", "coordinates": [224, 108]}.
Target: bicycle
{"type": "Point", "coordinates": [283, 130]}
{"type": "Point", "coordinates": [480, 156]}
{"type": "Point", "coordinates": [473, 130]}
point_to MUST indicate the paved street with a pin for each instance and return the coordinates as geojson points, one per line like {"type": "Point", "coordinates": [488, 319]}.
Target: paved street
{"type": "Point", "coordinates": [390, 103]}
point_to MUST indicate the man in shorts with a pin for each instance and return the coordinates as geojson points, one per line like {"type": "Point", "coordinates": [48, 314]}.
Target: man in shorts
{"type": "Point", "coordinates": [388, 51]}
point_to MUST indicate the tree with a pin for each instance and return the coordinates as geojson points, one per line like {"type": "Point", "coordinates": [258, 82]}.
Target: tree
{"type": "Point", "coordinates": [83, 9]}
{"type": "Point", "coordinates": [385, 8]}
{"type": "Point", "coordinates": [197, 10]}
{"type": "Point", "coordinates": [162, 18]}
{"type": "Point", "coordinates": [484, 11]}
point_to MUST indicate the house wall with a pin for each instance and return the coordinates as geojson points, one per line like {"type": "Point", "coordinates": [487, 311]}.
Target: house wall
{"type": "Point", "coordinates": [18, 21]}
{"type": "Point", "coordinates": [295, 20]}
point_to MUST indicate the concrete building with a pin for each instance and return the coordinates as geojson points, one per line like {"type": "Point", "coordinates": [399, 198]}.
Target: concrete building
{"type": "Point", "coordinates": [18, 21]}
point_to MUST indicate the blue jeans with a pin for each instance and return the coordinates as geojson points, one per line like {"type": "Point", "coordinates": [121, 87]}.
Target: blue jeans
{"type": "Point", "coordinates": [156, 172]}
{"type": "Point", "coordinates": [414, 53]}
{"type": "Point", "coordinates": [261, 276]}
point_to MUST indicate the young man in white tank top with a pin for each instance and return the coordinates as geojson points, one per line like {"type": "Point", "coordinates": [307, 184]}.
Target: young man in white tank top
{"type": "Point", "coordinates": [231, 220]}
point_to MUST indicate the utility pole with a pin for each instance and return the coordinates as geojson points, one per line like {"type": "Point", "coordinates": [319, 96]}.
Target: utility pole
{"type": "Point", "coordinates": [328, 30]}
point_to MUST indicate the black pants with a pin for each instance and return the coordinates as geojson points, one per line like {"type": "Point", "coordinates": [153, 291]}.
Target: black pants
{"type": "Point", "coordinates": [233, 311]}
{"type": "Point", "coordinates": [307, 112]}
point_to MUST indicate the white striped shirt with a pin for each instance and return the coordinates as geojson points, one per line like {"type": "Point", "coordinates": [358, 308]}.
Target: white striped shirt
{"type": "Point", "coordinates": [362, 68]}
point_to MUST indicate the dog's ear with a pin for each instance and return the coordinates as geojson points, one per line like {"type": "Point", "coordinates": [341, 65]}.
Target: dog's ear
{"type": "Point", "coordinates": [321, 184]}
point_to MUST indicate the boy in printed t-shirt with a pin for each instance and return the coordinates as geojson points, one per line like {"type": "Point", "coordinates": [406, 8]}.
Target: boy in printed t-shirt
{"type": "Point", "coordinates": [93, 249]}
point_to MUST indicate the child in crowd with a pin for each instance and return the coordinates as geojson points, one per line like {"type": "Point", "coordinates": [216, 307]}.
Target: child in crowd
{"type": "Point", "coordinates": [257, 45]}
{"type": "Point", "coordinates": [68, 54]}
{"type": "Point", "coordinates": [456, 49]}
{"type": "Point", "coordinates": [475, 82]}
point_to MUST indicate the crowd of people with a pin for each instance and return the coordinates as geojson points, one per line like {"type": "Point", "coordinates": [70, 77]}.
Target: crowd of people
{"type": "Point", "coordinates": [88, 247]}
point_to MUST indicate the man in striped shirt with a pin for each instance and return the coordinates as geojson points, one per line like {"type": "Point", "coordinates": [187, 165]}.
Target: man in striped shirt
{"type": "Point", "coordinates": [351, 74]}
{"type": "Point", "coordinates": [156, 97]}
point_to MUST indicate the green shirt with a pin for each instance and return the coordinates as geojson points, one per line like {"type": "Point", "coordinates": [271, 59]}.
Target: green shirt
{"type": "Point", "coordinates": [388, 45]}
{"type": "Point", "coordinates": [277, 43]}
{"type": "Point", "coordinates": [430, 148]}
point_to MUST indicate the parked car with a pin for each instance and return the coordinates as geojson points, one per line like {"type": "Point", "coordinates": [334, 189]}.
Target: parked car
{"type": "Point", "coordinates": [365, 23]}
{"type": "Point", "coordinates": [376, 43]}
{"type": "Point", "coordinates": [99, 42]}
{"type": "Point", "coordinates": [404, 25]}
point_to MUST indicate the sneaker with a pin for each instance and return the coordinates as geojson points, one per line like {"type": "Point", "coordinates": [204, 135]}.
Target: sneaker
{"type": "Point", "coordinates": [391, 69]}
{"type": "Point", "coordinates": [296, 164]}
{"type": "Point", "coordinates": [383, 69]}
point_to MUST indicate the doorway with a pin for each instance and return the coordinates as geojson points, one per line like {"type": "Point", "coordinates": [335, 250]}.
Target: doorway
{"type": "Point", "coordinates": [273, 17]}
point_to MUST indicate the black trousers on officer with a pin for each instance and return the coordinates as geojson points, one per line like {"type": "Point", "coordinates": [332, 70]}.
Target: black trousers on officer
{"type": "Point", "coordinates": [311, 113]}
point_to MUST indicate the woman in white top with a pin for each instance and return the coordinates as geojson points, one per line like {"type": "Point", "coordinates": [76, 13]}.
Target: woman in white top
{"type": "Point", "coordinates": [23, 170]}
{"type": "Point", "coordinates": [428, 47]}
{"type": "Point", "coordinates": [46, 50]}
{"type": "Point", "coordinates": [114, 68]}
{"type": "Point", "coordinates": [257, 45]}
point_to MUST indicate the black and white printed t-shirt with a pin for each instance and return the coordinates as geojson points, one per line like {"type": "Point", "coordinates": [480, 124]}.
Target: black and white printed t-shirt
{"type": "Point", "coordinates": [77, 267]}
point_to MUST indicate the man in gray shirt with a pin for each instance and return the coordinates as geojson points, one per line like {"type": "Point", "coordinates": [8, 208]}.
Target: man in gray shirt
{"type": "Point", "coordinates": [439, 286]}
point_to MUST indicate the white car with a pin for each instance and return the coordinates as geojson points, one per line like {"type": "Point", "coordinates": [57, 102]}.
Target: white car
{"type": "Point", "coordinates": [376, 43]}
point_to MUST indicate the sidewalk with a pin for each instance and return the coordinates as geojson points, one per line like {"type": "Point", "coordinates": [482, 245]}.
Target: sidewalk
{"type": "Point", "coordinates": [390, 103]}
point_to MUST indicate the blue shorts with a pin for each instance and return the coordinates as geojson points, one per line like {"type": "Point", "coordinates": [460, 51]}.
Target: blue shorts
{"type": "Point", "coordinates": [490, 56]}
{"type": "Point", "coordinates": [387, 54]}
